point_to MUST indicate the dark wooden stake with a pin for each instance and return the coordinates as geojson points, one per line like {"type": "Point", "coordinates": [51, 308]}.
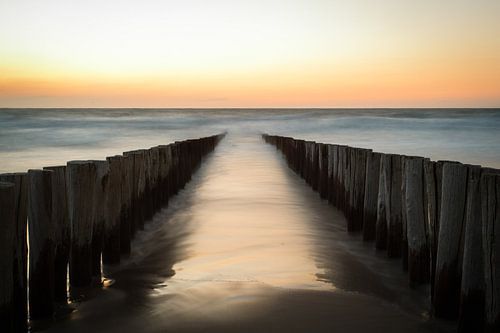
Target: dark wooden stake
{"type": "Point", "coordinates": [81, 181]}
{"type": "Point", "coordinates": [20, 279]}
{"type": "Point", "coordinates": [41, 244]}
{"type": "Point", "coordinates": [418, 249]}
{"type": "Point", "coordinates": [62, 232]}
{"type": "Point", "coordinates": [471, 314]}
{"type": "Point", "coordinates": [490, 201]}
{"type": "Point", "coordinates": [448, 264]}
{"type": "Point", "coordinates": [7, 252]}
{"type": "Point", "coordinates": [111, 249]}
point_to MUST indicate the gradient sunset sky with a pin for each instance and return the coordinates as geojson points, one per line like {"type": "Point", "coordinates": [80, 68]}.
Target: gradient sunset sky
{"type": "Point", "coordinates": [258, 53]}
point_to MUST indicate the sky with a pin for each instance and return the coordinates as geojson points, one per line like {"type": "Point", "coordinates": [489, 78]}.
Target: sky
{"type": "Point", "coordinates": [258, 53]}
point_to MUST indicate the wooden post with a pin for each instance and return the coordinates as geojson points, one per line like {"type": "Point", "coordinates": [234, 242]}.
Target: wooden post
{"type": "Point", "coordinates": [7, 252]}
{"type": "Point", "coordinates": [404, 222]}
{"type": "Point", "coordinates": [81, 181]}
{"type": "Point", "coordinates": [471, 314]}
{"type": "Point", "coordinates": [174, 171]}
{"type": "Point", "coordinates": [332, 160]}
{"type": "Point", "coordinates": [20, 279]}
{"type": "Point", "coordinates": [490, 202]}
{"type": "Point", "coordinates": [359, 189]}
{"type": "Point", "coordinates": [148, 187]}
{"type": "Point", "coordinates": [371, 195]}
{"type": "Point", "coordinates": [323, 170]}
{"type": "Point", "coordinates": [351, 159]}
{"type": "Point", "coordinates": [337, 174]}
{"type": "Point", "coordinates": [383, 209]}
{"type": "Point", "coordinates": [138, 186]}
{"type": "Point", "coordinates": [126, 215]}
{"type": "Point", "coordinates": [62, 232]}
{"type": "Point", "coordinates": [394, 219]}
{"type": "Point", "coordinates": [431, 217]}
{"type": "Point", "coordinates": [101, 188]}
{"type": "Point", "coordinates": [448, 265]}
{"type": "Point", "coordinates": [167, 183]}
{"type": "Point", "coordinates": [111, 249]}
{"type": "Point", "coordinates": [41, 244]}
{"type": "Point", "coordinates": [418, 250]}
{"type": "Point", "coordinates": [155, 176]}
{"type": "Point", "coordinates": [302, 158]}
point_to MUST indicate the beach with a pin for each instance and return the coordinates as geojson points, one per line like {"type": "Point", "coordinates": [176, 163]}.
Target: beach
{"type": "Point", "coordinates": [247, 246]}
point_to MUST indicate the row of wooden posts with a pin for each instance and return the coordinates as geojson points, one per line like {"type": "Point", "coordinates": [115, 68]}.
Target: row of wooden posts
{"type": "Point", "coordinates": [442, 218]}
{"type": "Point", "coordinates": [78, 216]}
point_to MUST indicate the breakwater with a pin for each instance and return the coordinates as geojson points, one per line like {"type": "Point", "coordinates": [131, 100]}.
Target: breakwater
{"type": "Point", "coordinates": [76, 217]}
{"type": "Point", "coordinates": [442, 218]}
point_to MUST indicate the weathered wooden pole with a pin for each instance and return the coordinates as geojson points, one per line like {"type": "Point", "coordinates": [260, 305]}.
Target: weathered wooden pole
{"type": "Point", "coordinates": [471, 314]}
{"type": "Point", "coordinates": [156, 178]}
{"type": "Point", "coordinates": [431, 217]}
{"type": "Point", "coordinates": [358, 210]}
{"type": "Point", "coordinates": [41, 244]}
{"type": "Point", "coordinates": [174, 171]}
{"type": "Point", "coordinates": [383, 208]}
{"type": "Point", "coordinates": [340, 178]}
{"type": "Point", "coordinates": [20, 278]}
{"type": "Point", "coordinates": [418, 249]}
{"type": "Point", "coordinates": [126, 215]}
{"type": "Point", "coordinates": [323, 170]}
{"type": "Point", "coordinates": [448, 264]}
{"type": "Point", "coordinates": [100, 197]}
{"type": "Point", "coordinates": [138, 187]}
{"type": "Point", "coordinates": [349, 213]}
{"type": "Point", "coordinates": [394, 219]}
{"type": "Point", "coordinates": [331, 151]}
{"type": "Point", "coordinates": [371, 195]}
{"type": "Point", "coordinates": [166, 184]}
{"type": "Point", "coordinates": [404, 222]}
{"type": "Point", "coordinates": [80, 182]}
{"type": "Point", "coordinates": [337, 177]}
{"type": "Point", "coordinates": [148, 187]}
{"type": "Point", "coordinates": [7, 252]}
{"type": "Point", "coordinates": [62, 232]}
{"type": "Point", "coordinates": [301, 158]}
{"type": "Point", "coordinates": [490, 202]}
{"type": "Point", "coordinates": [111, 249]}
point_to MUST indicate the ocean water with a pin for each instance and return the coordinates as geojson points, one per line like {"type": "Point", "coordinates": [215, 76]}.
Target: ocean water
{"type": "Point", "coordinates": [247, 246]}
{"type": "Point", "coordinates": [33, 138]}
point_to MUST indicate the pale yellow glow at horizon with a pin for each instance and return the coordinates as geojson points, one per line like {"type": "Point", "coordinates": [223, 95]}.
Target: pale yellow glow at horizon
{"type": "Point", "coordinates": [221, 53]}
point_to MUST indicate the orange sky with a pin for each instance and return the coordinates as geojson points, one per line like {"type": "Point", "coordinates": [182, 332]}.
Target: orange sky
{"type": "Point", "coordinates": [322, 53]}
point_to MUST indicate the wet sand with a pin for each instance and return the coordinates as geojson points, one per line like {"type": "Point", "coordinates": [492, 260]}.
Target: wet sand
{"type": "Point", "coordinates": [247, 246]}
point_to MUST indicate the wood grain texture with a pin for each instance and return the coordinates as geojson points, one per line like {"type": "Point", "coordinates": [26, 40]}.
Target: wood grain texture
{"type": "Point", "coordinates": [62, 239]}
{"type": "Point", "coordinates": [41, 228]}
{"type": "Point", "coordinates": [7, 251]}
{"type": "Point", "coordinates": [81, 181]}
{"type": "Point", "coordinates": [20, 269]}
{"type": "Point", "coordinates": [371, 195]}
{"type": "Point", "coordinates": [449, 252]}
{"type": "Point", "coordinates": [490, 202]}
{"type": "Point", "coordinates": [471, 313]}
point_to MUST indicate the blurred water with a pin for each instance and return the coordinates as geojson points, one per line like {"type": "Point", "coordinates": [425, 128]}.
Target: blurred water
{"type": "Point", "coordinates": [247, 246]}
{"type": "Point", "coordinates": [32, 138]}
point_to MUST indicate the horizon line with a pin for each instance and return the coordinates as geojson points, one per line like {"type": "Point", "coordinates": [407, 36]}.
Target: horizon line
{"type": "Point", "coordinates": [259, 108]}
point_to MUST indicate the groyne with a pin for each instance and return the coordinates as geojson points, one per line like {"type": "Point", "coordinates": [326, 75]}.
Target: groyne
{"type": "Point", "coordinates": [80, 216]}
{"type": "Point", "coordinates": [441, 218]}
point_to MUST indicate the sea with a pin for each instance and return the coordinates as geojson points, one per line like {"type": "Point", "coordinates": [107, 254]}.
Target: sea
{"type": "Point", "coordinates": [33, 138]}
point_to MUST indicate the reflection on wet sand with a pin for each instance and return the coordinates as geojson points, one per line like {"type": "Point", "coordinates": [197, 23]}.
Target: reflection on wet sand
{"type": "Point", "coordinates": [248, 247]}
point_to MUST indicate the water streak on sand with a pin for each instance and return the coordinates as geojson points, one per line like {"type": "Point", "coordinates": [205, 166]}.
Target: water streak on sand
{"type": "Point", "coordinates": [248, 247]}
